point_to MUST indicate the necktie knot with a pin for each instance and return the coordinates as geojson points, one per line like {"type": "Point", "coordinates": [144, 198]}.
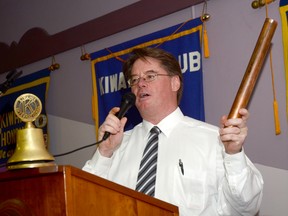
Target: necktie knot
{"type": "Point", "coordinates": [155, 130]}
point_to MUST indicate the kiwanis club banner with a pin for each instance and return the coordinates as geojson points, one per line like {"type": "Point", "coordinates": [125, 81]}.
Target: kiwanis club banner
{"type": "Point", "coordinates": [283, 8]}
{"type": "Point", "coordinates": [109, 84]}
{"type": "Point", "coordinates": [37, 84]}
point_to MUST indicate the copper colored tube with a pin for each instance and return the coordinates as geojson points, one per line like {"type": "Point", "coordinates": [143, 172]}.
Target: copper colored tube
{"type": "Point", "coordinates": [254, 67]}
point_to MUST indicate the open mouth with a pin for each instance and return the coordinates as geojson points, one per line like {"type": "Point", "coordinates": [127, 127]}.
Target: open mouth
{"type": "Point", "coordinates": [143, 95]}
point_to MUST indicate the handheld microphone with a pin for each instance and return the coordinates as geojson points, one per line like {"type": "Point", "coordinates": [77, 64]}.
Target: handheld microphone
{"type": "Point", "coordinates": [128, 100]}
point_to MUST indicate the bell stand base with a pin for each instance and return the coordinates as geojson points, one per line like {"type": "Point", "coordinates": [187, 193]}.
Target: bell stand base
{"type": "Point", "coordinates": [31, 164]}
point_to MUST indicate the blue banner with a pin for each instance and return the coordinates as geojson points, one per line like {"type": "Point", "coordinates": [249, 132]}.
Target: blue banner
{"type": "Point", "coordinates": [283, 8]}
{"type": "Point", "coordinates": [37, 84]}
{"type": "Point", "coordinates": [109, 84]}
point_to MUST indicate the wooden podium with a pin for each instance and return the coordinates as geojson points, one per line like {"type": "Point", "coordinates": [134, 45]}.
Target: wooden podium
{"type": "Point", "coordinates": [69, 191]}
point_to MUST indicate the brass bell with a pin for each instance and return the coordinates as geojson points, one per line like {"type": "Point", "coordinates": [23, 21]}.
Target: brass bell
{"type": "Point", "coordinates": [30, 149]}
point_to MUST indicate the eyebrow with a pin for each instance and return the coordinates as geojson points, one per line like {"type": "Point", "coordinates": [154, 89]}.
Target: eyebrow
{"type": "Point", "coordinates": [148, 71]}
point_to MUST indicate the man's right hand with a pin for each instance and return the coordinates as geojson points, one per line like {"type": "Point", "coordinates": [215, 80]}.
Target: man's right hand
{"type": "Point", "coordinates": [116, 129]}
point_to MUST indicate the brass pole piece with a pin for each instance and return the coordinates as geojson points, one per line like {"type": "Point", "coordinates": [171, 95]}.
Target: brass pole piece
{"type": "Point", "coordinates": [254, 67]}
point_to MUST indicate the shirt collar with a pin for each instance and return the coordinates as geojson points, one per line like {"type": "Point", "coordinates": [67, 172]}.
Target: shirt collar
{"type": "Point", "coordinates": [165, 125]}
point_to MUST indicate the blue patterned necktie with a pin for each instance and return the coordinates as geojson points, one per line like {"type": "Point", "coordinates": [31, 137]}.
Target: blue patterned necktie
{"type": "Point", "coordinates": [147, 172]}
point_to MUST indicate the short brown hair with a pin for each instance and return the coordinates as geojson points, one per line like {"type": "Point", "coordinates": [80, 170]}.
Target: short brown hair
{"type": "Point", "coordinates": [166, 59]}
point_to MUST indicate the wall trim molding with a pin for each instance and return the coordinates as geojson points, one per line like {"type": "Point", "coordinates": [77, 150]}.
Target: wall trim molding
{"type": "Point", "coordinates": [36, 44]}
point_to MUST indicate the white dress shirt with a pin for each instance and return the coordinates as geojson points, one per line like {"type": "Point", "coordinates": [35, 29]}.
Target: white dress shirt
{"type": "Point", "coordinates": [211, 183]}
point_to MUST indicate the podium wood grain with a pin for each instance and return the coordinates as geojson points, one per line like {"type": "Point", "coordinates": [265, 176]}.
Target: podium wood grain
{"type": "Point", "coordinates": [69, 191]}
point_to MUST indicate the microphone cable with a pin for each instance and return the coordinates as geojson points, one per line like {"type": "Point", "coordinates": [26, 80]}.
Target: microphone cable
{"type": "Point", "coordinates": [78, 149]}
{"type": "Point", "coordinates": [67, 153]}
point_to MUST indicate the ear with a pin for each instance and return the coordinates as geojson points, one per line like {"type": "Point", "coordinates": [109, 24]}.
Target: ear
{"type": "Point", "coordinates": [175, 83]}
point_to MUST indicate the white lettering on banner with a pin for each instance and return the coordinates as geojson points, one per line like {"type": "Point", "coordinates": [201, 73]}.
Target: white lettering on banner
{"type": "Point", "coordinates": [193, 58]}
{"type": "Point", "coordinates": [112, 83]}
{"type": "Point", "coordinates": [185, 62]}
{"type": "Point", "coordinates": [106, 84]}
{"type": "Point", "coordinates": [122, 84]}
{"type": "Point", "coordinates": [101, 86]}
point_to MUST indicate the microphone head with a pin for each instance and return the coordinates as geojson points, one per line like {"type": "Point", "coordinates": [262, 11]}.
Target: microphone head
{"type": "Point", "coordinates": [128, 100]}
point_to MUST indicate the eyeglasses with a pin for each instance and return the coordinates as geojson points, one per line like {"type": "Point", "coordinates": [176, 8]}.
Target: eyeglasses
{"type": "Point", "coordinates": [147, 77]}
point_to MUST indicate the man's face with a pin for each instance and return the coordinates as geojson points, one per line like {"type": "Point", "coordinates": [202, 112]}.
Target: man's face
{"type": "Point", "coordinates": [157, 97]}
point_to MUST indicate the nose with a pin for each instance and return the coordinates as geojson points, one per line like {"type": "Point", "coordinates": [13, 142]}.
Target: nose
{"type": "Point", "coordinates": [142, 82]}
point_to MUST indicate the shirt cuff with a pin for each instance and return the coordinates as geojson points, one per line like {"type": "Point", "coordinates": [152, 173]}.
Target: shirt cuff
{"type": "Point", "coordinates": [235, 163]}
{"type": "Point", "coordinates": [99, 162]}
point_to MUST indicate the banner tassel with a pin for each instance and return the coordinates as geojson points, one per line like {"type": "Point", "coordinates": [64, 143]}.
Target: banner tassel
{"type": "Point", "coordinates": [205, 42]}
{"type": "Point", "coordinates": [276, 118]}
{"type": "Point", "coordinates": [204, 18]}
{"type": "Point", "coordinates": [275, 103]}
